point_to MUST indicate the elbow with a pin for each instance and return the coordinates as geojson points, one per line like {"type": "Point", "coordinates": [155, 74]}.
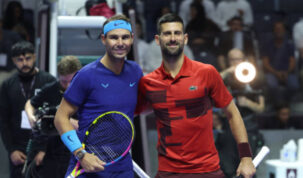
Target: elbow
{"type": "Point", "coordinates": [57, 120]}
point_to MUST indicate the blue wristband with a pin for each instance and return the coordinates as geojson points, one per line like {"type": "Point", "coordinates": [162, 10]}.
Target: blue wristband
{"type": "Point", "coordinates": [71, 140]}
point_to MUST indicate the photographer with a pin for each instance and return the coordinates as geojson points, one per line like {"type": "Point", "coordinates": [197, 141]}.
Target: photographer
{"type": "Point", "coordinates": [52, 156]}
{"type": "Point", "coordinates": [249, 98]}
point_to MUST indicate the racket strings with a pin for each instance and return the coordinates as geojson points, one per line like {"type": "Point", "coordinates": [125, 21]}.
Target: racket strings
{"type": "Point", "coordinates": [110, 137]}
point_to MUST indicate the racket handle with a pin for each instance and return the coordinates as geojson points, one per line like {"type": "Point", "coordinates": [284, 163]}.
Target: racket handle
{"type": "Point", "coordinates": [139, 171]}
{"type": "Point", "coordinates": [260, 156]}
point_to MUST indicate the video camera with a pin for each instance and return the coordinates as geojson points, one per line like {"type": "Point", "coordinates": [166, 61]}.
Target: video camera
{"type": "Point", "coordinates": [44, 126]}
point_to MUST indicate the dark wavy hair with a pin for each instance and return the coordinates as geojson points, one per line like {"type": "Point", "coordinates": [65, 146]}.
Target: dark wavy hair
{"type": "Point", "coordinates": [21, 48]}
{"type": "Point", "coordinates": [170, 17]}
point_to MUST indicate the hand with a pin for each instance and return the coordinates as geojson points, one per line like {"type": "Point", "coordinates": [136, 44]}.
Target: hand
{"type": "Point", "coordinates": [231, 69]}
{"type": "Point", "coordinates": [246, 168]}
{"type": "Point", "coordinates": [32, 120]}
{"type": "Point", "coordinates": [17, 157]}
{"type": "Point", "coordinates": [39, 158]}
{"type": "Point", "coordinates": [243, 101]}
{"type": "Point", "coordinates": [92, 163]}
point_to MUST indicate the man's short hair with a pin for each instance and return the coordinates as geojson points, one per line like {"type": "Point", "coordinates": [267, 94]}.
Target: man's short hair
{"type": "Point", "coordinates": [68, 65]}
{"type": "Point", "coordinates": [21, 48]}
{"type": "Point", "coordinates": [170, 17]}
{"type": "Point", "coordinates": [235, 18]}
{"type": "Point", "coordinates": [115, 17]}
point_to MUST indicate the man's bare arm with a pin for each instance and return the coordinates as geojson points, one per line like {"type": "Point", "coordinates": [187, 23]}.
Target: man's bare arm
{"type": "Point", "coordinates": [64, 112]}
{"type": "Point", "coordinates": [89, 162]}
{"type": "Point", "coordinates": [246, 167]}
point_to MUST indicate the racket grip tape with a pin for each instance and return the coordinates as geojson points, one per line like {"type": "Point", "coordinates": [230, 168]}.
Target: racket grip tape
{"type": "Point", "coordinates": [71, 140]}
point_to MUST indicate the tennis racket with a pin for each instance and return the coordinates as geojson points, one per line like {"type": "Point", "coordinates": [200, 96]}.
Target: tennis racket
{"type": "Point", "coordinates": [109, 137]}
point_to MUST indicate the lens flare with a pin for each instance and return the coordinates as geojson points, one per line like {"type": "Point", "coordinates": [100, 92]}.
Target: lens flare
{"type": "Point", "coordinates": [245, 72]}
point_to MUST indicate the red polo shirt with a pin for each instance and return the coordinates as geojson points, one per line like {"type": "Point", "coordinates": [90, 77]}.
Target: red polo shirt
{"type": "Point", "coordinates": [183, 108]}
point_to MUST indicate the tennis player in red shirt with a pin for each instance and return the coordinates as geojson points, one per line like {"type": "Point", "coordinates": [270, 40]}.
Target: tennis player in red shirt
{"type": "Point", "coordinates": [182, 92]}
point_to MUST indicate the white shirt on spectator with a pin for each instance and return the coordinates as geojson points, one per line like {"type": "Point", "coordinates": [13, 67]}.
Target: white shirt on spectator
{"type": "Point", "coordinates": [142, 50]}
{"type": "Point", "coordinates": [209, 7]}
{"type": "Point", "coordinates": [228, 9]}
{"type": "Point", "coordinates": [298, 34]}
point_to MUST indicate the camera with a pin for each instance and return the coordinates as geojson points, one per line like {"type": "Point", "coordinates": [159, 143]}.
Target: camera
{"type": "Point", "coordinates": [44, 126]}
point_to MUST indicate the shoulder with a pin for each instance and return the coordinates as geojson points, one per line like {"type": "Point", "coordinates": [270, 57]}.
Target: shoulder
{"type": "Point", "coordinates": [244, 3]}
{"type": "Point", "coordinates": [51, 86]}
{"type": "Point", "coordinates": [88, 70]}
{"type": "Point", "coordinates": [10, 81]}
{"type": "Point", "coordinates": [132, 65]}
{"type": "Point", "coordinates": [222, 4]}
{"type": "Point", "coordinates": [200, 66]}
{"type": "Point", "coordinates": [44, 74]}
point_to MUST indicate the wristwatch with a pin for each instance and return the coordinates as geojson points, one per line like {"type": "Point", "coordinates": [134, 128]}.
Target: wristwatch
{"type": "Point", "coordinates": [80, 154]}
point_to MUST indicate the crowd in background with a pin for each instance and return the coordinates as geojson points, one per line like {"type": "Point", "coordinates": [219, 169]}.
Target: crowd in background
{"type": "Point", "coordinates": [222, 33]}
{"type": "Point", "coordinates": [215, 28]}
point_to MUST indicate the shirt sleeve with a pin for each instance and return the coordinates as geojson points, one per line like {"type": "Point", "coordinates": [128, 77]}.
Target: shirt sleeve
{"type": "Point", "coordinates": [218, 90]}
{"type": "Point", "coordinates": [76, 92]}
{"type": "Point", "coordinates": [142, 103]}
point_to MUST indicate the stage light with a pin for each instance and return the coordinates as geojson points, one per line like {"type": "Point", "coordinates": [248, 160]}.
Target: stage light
{"type": "Point", "coordinates": [245, 72]}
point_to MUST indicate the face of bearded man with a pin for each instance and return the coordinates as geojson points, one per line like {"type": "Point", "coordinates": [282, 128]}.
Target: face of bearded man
{"type": "Point", "coordinates": [25, 64]}
{"type": "Point", "coordinates": [172, 40]}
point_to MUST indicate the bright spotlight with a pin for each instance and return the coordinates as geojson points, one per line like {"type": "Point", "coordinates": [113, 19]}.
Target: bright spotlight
{"type": "Point", "coordinates": [245, 72]}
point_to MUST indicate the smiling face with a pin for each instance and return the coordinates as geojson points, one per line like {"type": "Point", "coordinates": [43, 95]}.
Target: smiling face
{"type": "Point", "coordinates": [118, 43]}
{"type": "Point", "coordinates": [25, 63]}
{"type": "Point", "coordinates": [171, 39]}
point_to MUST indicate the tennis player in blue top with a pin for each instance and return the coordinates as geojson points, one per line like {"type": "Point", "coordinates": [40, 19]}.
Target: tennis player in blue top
{"type": "Point", "coordinates": [109, 83]}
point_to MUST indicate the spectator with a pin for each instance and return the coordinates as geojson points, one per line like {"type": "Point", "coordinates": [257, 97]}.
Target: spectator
{"type": "Point", "coordinates": [282, 119]}
{"type": "Point", "coordinates": [208, 5]}
{"type": "Point", "coordinates": [228, 9]}
{"type": "Point", "coordinates": [14, 20]}
{"type": "Point", "coordinates": [279, 64]}
{"type": "Point", "coordinates": [142, 45]}
{"type": "Point", "coordinates": [15, 91]}
{"type": "Point", "coordinates": [7, 39]}
{"type": "Point", "coordinates": [235, 37]}
{"type": "Point", "coordinates": [201, 33]}
{"type": "Point", "coordinates": [298, 39]}
{"type": "Point", "coordinates": [249, 98]}
{"type": "Point", "coordinates": [52, 157]}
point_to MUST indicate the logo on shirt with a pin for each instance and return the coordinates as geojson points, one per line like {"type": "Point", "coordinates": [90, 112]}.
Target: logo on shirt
{"type": "Point", "coordinates": [132, 84]}
{"type": "Point", "coordinates": [192, 88]}
{"type": "Point", "coordinates": [104, 85]}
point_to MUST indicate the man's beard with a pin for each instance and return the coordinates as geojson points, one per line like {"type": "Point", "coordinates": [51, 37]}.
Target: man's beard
{"type": "Point", "coordinates": [25, 74]}
{"type": "Point", "coordinates": [169, 55]}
